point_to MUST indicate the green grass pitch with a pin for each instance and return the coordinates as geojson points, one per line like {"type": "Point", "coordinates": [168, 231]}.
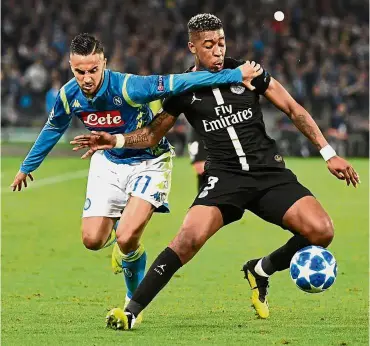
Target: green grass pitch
{"type": "Point", "coordinates": [55, 292]}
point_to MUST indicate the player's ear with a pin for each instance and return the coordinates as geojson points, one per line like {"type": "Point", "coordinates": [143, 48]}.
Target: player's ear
{"type": "Point", "coordinates": [191, 47]}
{"type": "Point", "coordinates": [105, 63]}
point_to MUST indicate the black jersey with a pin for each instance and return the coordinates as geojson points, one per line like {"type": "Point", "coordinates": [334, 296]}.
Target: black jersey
{"type": "Point", "coordinates": [230, 121]}
{"type": "Point", "coordinates": [196, 148]}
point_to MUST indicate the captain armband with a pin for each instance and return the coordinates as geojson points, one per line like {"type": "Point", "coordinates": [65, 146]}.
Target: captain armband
{"type": "Point", "coordinates": [261, 83]}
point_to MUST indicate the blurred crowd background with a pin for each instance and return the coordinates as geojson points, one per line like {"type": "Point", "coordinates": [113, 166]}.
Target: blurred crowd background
{"type": "Point", "coordinates": [320, 53]}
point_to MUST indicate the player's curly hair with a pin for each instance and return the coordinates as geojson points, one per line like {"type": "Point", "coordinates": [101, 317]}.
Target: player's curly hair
{"type": "Point", "coordinates": [85, 44]}
{"type": "Point", "coordinates": [203, 22]}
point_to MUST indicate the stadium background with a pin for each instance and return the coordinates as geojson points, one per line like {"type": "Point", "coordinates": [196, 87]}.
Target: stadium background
{"type": "Point", "coordinates": [56, 292]}
{"type": "Point", "coordinates": [319, 53]}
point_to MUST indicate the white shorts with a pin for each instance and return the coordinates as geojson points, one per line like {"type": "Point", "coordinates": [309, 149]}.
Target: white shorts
{"type": "Point", "coordinates": [110, 185]}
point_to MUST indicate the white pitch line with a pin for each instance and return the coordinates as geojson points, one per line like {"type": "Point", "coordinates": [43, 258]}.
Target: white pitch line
{"type": "Point", "coordinates": [48, 181]}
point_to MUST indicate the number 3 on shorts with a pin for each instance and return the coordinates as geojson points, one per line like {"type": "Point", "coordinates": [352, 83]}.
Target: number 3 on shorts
{"type": "Point", "coordinates": [211, 184]}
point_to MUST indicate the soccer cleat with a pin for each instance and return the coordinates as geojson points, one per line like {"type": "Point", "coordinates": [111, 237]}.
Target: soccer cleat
{"type": "Point", "coordinates": [120, 320]}
{"type": "Point", "coordinates": [116, 259]}
{"type": "Point", "coordinates": [259, 285]}
{"type": "Point", "coordinates": [139, 318]}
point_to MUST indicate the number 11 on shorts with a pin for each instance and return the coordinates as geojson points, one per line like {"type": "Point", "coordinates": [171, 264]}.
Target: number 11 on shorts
{"type": "Point", "coordinates": [148, 179]}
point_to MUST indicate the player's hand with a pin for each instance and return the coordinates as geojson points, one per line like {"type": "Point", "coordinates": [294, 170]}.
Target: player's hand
{"type": "Point", "coordinates": [96, 140]}
{"type": "Point", "coordinates": [20, 178]}
{"type": "Point", "coordinates": [343, 170]}
{"type": "Point", "coordinates": [250, 70]}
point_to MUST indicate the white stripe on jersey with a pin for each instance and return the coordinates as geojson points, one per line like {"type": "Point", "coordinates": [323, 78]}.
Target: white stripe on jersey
{"type": "Point", "coordinates": [232, 133]}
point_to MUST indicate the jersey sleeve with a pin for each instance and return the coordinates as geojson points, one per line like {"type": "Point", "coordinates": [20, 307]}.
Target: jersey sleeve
{"type": "Point", "coordinates": [173, 105]}
{"type": "Point", "coordinates": [57, 123]}
{"type": "Point", "coordinates": [261, 83]}
{"type": "Point", "coordinates": [137, 90]}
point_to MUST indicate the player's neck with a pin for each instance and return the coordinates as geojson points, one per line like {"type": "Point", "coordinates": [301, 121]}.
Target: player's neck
{"type": "Point", "coordinates": [198, 67]}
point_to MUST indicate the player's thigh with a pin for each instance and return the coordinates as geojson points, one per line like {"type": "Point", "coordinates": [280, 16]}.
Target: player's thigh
{"type": "Point", "coordinates": [273, 203]}
{"type": "Point", "coordinates": [307, 217]}
{"type": "Point", "coordinates": [200, 223]}
{"type": "Point", "coordinates": [105, 197]}
{"type": "Point", "coordinates": [96, 230]}
{"type": "Point", "coordinates": [135, 217]}
{"type": "Point", "coordinates": [151, 182]}
{"type": "Point", "coordinates": [222, 190]}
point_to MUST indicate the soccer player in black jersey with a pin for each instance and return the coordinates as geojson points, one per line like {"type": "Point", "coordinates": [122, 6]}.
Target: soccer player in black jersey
{"type": "Point", "coordinates": [244, 170]}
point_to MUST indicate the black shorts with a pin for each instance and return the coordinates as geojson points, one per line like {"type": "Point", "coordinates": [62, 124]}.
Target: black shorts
{"type": "Point", "coordinates": [268, 194]}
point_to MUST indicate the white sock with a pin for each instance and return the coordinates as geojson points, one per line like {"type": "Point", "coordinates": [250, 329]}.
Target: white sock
{"type": "Point", "coordinates": [258, 269]}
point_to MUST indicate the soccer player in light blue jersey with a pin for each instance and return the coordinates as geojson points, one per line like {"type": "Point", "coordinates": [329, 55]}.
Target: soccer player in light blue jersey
{"type": "Point", "coordinates": [123, 184]}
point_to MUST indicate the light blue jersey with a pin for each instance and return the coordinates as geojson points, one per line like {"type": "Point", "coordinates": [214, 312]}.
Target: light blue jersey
{"type": "Point", "coordinates": [120, 106]}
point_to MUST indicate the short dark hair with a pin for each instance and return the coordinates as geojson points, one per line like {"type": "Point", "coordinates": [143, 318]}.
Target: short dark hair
{"type": "Point", "coordinates": [85, 44]}
{"type": "Point", "coordinates": [204, 22]}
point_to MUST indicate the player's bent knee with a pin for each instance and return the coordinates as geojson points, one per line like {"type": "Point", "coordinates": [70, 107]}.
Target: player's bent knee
{"type": "Point", "coordinates": [321, 232]}
{"type": "Point", "coordinates": [128, 241]}
{"type": "Point", "coordinates": [92, 242]}
{"type": "Point", "coordinates": [187, 243]}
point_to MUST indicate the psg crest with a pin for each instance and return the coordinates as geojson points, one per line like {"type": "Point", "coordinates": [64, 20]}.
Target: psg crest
{"type": "Point", "coordinates": [237, 89]}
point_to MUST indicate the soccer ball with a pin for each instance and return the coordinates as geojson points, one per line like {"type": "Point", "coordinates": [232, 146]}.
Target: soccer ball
{"type": "Point", "coordinates": [313, 269]}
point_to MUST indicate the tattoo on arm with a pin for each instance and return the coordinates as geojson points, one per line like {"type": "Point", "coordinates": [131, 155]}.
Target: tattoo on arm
{"type": "Point", "coordinates": [151, 134]}
{"type": "Point", "coordinates": [309, 128]}
{"type": "Point", "coordinates": [282, 100]}
{"type": "Point", "coordinates": [136, 138]}
{"type": "Point", "coordinates": [161, 124]}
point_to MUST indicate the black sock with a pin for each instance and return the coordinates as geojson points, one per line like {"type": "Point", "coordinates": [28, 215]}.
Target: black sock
{"type": "Point", "coordinates": [280, 258]}
{"type": "Point", "coordinates": [158, 275]}
{"type": "Point", "coordinates": [201, 180]}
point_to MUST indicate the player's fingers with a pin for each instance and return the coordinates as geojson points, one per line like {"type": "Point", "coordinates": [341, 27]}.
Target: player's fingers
{"type": "Point", "coordinates": [347, 177]}
{"type": "Point", "coordinates": [82, 142]}
{"type": "Point", "coordinates": [77, 148]}
{"type": "Point", "coordinates": [78, 141]}
{"type": "Point", "coordinates": [351, 173]}
{"type": "Point", "coordinates": [88, 154]}
{"type": "Point", "coordinates": [337, 174]}
{"type": "Point", "coordinates": [24, 182]}
{"type": "Point", "coordinates": [80, 146]}
{"type": "Point", "coordinates": [13, 185]}
{"type": "Point", "coordinates": [97, 133]}
{"type": "Point", "coordinates": [30, 176]}
{"type": "Point", "coordinates": [250, 86]}
{"type": "Point", "coordinates": [257, 73]}
{"type": "Point", "coordinates": [257, 67]}
{"type": "Point", "coordinates": [20, 186]}
{"type": "Point", "coordinates": [356, 175]}
{"type": "Point", "coordinates": [81, 137]}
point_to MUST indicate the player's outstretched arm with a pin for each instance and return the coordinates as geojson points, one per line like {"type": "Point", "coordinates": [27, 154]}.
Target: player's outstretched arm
{"type": "Point", "coordinates": [143, 89]}
{"type": "Point", "coordinates": [338, 166]}
{"type": "Point", "coordinates": [53, 130]}
{"type": "Point", "coordinates": [145, 137]}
